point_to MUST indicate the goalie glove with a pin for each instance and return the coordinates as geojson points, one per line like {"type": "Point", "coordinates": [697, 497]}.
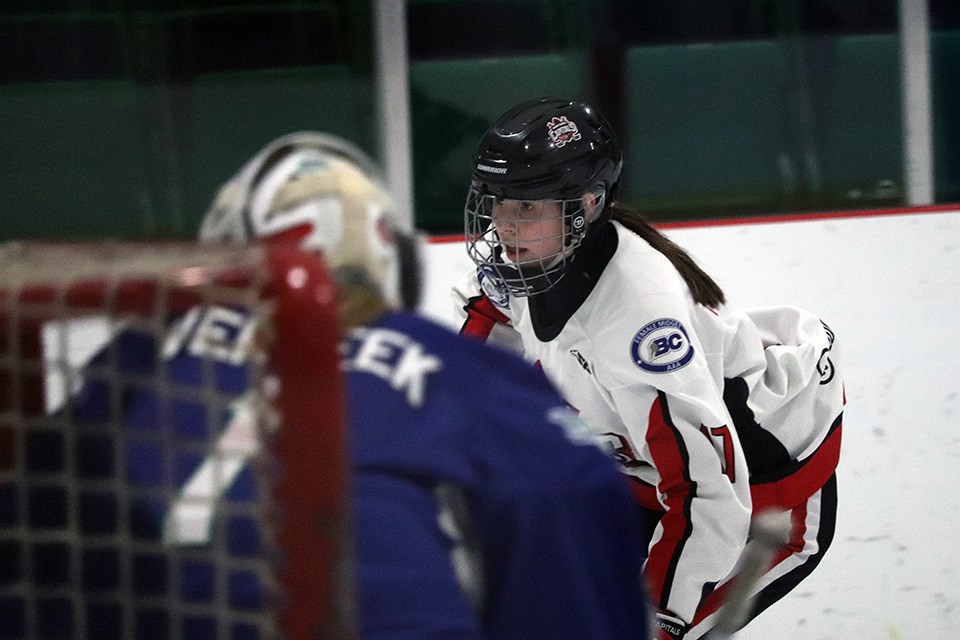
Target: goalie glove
{"type": "Point", "coordinates": [667, 626]}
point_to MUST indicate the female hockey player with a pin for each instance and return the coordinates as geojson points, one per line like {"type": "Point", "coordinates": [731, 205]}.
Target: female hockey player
{"type": "Point", "coordinates": [714, 412]}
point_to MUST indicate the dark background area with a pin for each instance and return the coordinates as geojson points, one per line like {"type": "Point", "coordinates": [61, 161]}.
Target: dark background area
{"type": "Point", "coordinates": [120, 118]}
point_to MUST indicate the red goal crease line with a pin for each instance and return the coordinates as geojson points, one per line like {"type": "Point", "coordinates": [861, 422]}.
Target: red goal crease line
{"type": "Point", "coordinates": [770, 219]}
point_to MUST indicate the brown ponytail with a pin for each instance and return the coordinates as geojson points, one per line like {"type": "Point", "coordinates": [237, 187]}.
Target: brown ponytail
{"type": "Point", "coordinates": [704, 289]}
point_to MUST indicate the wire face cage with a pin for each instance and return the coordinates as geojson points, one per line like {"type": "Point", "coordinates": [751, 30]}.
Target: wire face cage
{"type": "Point", "coordinates": [172, 444]}
{"type": "Point", "coordinates": [525, 245]}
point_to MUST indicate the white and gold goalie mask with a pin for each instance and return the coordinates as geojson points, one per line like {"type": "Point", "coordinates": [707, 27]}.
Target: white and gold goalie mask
{"type": "Point", "coordinates": [327, 196]}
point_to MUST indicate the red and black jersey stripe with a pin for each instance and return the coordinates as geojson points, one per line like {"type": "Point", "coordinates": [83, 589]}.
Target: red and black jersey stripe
{"type": "Point", "coordinates": [672, 460]}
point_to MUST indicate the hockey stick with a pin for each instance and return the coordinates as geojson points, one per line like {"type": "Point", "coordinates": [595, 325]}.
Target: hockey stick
{"type": "Point", "coordinates": [769, 531]}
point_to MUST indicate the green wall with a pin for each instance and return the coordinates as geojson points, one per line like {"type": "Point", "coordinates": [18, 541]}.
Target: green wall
{"type": "Point", "coordinates": [137, 147]}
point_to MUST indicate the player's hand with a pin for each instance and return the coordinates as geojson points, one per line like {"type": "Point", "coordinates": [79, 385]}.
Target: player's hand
{"type": "Point", "coordinates": [667, 626]}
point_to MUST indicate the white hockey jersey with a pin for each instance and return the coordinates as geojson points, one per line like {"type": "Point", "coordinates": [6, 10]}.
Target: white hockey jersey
{"type": "Point", "coordinates": [702, 407]}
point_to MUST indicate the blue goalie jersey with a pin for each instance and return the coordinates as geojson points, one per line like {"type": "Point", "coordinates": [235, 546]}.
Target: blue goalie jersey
{"type": "Point", "coordinates": [481, 509]}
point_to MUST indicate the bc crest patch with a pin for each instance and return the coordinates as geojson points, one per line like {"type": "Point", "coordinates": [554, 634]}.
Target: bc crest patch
{"type": "Point", "coordinates": [661, 346]}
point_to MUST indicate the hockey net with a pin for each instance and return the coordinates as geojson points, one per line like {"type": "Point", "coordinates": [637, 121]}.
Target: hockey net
{"type": "Point", "coordinates": [172, 444]}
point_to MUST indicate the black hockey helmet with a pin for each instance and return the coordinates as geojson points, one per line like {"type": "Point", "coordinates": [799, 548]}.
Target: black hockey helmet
{"type": "Point", "coordinates": [544, 150]}
{"type": "Point", "coordinates": [548, 148]}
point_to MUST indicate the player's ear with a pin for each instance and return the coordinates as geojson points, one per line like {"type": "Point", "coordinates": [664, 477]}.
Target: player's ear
{"type": "Point", "coordinates": [593, 202]}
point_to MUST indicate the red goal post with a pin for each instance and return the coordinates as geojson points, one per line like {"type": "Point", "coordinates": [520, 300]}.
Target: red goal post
{"type": "Point", "coordinates": [80, 541]}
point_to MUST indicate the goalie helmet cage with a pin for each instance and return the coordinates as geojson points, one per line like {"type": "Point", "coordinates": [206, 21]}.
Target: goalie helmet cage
{"type": "Point", "coordinates": [83, 477]}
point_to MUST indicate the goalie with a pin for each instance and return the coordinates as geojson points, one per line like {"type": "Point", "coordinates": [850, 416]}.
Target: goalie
{"type": "Point", "coordinates": [479, 513]}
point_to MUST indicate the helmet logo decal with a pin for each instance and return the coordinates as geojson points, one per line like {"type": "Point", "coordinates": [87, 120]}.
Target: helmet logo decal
{"type": "Point", "coordinates": [562, 131]}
